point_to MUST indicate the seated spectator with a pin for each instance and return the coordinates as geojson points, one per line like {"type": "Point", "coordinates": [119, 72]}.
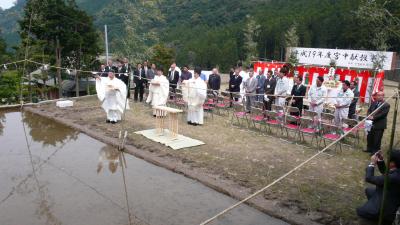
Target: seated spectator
{"type": "Point", "coordinates": [371, 209]}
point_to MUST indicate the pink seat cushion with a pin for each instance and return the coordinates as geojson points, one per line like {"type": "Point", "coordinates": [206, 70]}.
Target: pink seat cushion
{"type": "Point", "coordinates": [309, 130]}
{"type": "Point", "coordinates": [240, 114]}
{"type": "Point", "coordinates": [332, 136]}
{"type": "Point", "coordinates": [292, 126]}
{"type": "Point", "coordinates": [257, 118]}
{"type": "Point", "coordinates": [220, 105]}
{"type": "Point", "coordinates": [273, 122]}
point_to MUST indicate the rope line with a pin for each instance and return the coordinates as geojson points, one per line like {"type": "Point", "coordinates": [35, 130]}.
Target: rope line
{"type": "Point", "coordinates": [289, 172]}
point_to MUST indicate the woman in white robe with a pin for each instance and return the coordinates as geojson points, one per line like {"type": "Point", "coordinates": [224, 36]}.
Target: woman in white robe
{"type": "Point", "coordinates": [158, 90]}
{"type": "Point", "coordinates": [111, 92]}
{"type": "Point", "coordinates": [194, 92]}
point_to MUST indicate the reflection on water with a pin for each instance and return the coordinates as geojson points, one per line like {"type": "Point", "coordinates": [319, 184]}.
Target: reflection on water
{"type": "Point", "coordinates": [47, 132]}
{"type": "Point", "coordinates": [108, 155]}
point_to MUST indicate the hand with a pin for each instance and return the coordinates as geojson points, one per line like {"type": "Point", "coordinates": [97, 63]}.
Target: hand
{"type": "Point", "coordinates": [337, 106]}
{"type": "Point", "coordinates": [374, 159]}
{"type": "Point", "coordinates": [97, 77]}
{"type": "Point", "coordinates": [370, 117]}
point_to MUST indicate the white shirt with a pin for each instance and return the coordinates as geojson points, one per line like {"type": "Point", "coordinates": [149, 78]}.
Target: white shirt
{"type": "Point", "coordinates": [317, 94]}
{"type": "Point", "coordinates": [345, 98]}
{"type": "Point", "coordinates": [282, 86]}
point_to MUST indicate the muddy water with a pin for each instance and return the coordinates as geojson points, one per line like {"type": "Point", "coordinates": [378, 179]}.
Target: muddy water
{"type": "Point", "coordinates": [66, 177]}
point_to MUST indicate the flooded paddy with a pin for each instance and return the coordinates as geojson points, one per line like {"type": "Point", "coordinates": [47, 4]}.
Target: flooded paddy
{"type": "Point", "coordinates": [66, 177]}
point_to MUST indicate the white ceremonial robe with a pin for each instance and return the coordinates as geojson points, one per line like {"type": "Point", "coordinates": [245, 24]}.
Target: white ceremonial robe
{"type": "Point", "coordinates": [283, 89]}
{"type": "Point", "coordinates": [344, 100]}
{"type": "Point", "coordinates": [112, 94]}
{"type": "Point", "coordinates": [158, 91]}
{"type": "Point", "coordinates": [194, 92]}
{"type": "Point", "coordinates": [317, 95]}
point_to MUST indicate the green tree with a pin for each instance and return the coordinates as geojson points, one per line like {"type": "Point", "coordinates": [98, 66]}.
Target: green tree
{"type": "Point", "coordinates": [9, 86]}
{"type": "Point", "coordinates": [251, 32]}
{"type": "Point", "coordinates": [163, 56]}
{"type": "Point", "coordinates": [4, 55]}
{"type": "Point", "coordinates": [68, 32]}
{"type": "Point", "coordinates": [380, 22]}
{"type": "Point", "coordinates": [292, 40]}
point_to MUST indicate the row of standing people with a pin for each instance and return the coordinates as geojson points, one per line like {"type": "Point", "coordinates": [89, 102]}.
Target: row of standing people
{"type": "Point", "coordinates": [272, 89]}
{"type": "Point", "coordinates": [275, 89]}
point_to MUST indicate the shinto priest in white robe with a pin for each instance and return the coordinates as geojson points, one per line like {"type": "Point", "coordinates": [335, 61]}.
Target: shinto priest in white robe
{"type": "Point", "coordinates": [194, 92]}
{"type": "Point", "coordinates": [112, 94]}
{"type": "Point", "coordinates": [158, 91]}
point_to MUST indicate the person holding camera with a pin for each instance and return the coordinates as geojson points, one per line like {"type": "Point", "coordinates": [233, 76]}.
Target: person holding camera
{"type": "Point", "coordinates": [370, 211]}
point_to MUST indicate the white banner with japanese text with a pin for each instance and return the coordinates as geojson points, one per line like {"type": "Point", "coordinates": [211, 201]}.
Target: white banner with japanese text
{"type": "Point", "coordinates": [343, 58]}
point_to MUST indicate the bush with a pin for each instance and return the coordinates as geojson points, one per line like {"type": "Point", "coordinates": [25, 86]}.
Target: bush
{"type": "Point", "coordinates": [9, 86]}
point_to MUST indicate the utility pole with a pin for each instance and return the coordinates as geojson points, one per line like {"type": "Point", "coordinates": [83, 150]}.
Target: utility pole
{"type": "Point", "coordinates": [386, 181]}
{"type": "Point", "coordinates": [106, 42]}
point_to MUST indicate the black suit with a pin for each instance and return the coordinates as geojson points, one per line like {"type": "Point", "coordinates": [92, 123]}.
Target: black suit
{"type": "Point", "coordinates": [353, 104]}
{"type": "Point", "coordinates": [269, 88]}
{"type": "Point", "coordinates": [379, 122]}
{"type": "Point", "coordinates": [139, 77]}
{"type": "Point", "coordinates": [234, 84]}
{"type": "Point", "coordinates": [123, 74]}
{"type": "Point", "coordinates": [298, 90]}
{"type": "Point", "coordinates": [103, 73]}
{"type": "Point", "coordinates": [371, 209]}
{"type": "Point", "coordinates": [173, 79]}
{"type": "Point", "coordinates": [111, 69]}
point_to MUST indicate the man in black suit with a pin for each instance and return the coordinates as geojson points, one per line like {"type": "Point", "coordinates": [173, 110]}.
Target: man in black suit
{"type": "Point", "coordinates": [371, 209]}
{"type": "Point", "coordinates": [102, 72]}
{"type": "Point", "coordinates": [173, 77]}
{"type": "Point", "coordinates": [298, 90]}
{"type": "Point", "coordinates": [269, 87]}
{"type": "Point", "coordinates": [123, 74]}
{"type": "Point", "coordinates": [234, 83]}
{"type": "Point", "coordinates": [139, 78]}
{"type": "Point", "coordinates": [110, 67]}
{"type": "Point", "coordinates": [353, 105]}
{"type": "Point", "coordinates": [379, 121]}
{"type": "Point", "coordinates": [214, 81]}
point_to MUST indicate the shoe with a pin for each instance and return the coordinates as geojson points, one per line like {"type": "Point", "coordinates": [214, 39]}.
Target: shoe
{"type": "Point", "coordinates": [154, 116]}
{"type": "Point", "coordinates": [195, 124]}
{"type": "Point", "coordinates": [190, 122]}
{"type": "Point", "coordinates": [113, 122]}
{"type": "Point", "coordinates": [108, 121]}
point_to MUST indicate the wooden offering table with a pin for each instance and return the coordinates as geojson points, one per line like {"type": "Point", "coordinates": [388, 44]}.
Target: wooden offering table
{"type": "Point", "coordinates": [161, 114]}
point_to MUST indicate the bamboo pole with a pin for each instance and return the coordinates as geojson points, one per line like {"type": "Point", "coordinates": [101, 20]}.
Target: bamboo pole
{"type": "Point", "coordinates": [386, 182]}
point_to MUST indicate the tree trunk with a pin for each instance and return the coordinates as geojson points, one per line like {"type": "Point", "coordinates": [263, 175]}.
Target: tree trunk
{"type": "Point", "coordinates": [77, 84]}
{"type": "Point", "coordinates": [58, 64]}
{"type": "Point", "coordinates": [87, 85]}
{"type": "Point", "coordinates": [77, 72]}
